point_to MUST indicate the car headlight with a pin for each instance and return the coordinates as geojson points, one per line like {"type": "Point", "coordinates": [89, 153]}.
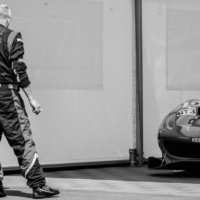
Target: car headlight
{"type": "Point", "coordinates": [170, 122]}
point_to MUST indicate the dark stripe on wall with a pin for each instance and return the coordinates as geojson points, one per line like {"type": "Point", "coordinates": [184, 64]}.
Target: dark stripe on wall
{"type": "Point", "coordinates": [139, 81]}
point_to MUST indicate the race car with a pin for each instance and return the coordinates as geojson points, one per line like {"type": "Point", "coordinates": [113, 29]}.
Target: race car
{"type": "Point", "coordinates": [179, 139]}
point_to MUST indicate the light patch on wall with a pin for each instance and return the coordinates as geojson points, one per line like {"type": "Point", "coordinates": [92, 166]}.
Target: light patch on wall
{"type": "Point", "coordinates": [183, 49]}
{"type": "Point", "coordinates": [65, 49]}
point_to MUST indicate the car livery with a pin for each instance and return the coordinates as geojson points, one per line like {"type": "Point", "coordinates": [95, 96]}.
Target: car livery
{"type": "Point", "coordinates": [179, 138]}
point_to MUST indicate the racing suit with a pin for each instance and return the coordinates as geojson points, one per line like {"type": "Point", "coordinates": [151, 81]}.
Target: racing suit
{"type": "Point", "coordinates": [14, 122]}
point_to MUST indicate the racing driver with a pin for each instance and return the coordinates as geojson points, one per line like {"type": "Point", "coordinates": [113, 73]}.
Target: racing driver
{"type": "Point", "coordinates": [14, 122]}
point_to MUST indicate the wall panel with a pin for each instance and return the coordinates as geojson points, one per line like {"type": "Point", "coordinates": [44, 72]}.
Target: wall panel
{"type": "Point", "coordinates": [79, 57]}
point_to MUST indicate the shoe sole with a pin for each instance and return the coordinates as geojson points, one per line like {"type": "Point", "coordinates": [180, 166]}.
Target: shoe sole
{"type": "Point", "coordinates": [37, 196]}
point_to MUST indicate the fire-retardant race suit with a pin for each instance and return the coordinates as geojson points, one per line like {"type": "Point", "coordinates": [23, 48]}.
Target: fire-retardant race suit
{"type": "Point", "coordinates": [14, 122]}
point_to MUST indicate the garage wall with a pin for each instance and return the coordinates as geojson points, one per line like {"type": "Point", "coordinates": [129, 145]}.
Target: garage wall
{"type": "Point", "coordinates": [79, 57]}
{"type": "Point", "coordinates": [170, 61]}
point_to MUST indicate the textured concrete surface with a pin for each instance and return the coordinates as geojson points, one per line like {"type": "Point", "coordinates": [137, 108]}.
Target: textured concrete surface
{"type": "Point", "coordinates": [107, 183]}
{"type": "Point", "coordinates": [22, 193]}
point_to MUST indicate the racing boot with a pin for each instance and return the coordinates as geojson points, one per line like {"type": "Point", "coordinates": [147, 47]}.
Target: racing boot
{"type": "Point", "coordinates": [2, 190]}
{"type": "Point", "coordinates": [44, 192]}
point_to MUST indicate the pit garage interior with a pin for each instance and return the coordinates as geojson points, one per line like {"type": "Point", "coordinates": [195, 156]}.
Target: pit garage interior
{"type": "Point", "coordinates": [106, 73]}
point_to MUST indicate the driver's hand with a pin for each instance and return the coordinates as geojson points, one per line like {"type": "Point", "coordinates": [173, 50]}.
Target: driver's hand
{"type": "Point", "coordinates": [36, 106]}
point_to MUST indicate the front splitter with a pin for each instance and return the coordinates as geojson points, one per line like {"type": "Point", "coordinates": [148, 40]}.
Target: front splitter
{"type": "Point", "coordinates": [155, 163]}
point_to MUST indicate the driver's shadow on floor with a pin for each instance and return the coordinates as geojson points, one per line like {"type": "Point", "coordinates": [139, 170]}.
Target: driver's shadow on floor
{"type": "Point", "coordinates": [18, 193]}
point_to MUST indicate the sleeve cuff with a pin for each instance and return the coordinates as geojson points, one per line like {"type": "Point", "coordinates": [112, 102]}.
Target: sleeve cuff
{"type": "Point", "coordinates": [24, 83]}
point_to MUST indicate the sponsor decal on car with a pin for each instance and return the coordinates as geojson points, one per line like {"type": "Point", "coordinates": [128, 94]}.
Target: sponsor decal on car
{"type": "Point", "coordinates": [189, 111]}
{"type": "Point", "coordinates": [196, 140]}
{"type": "Point", "coordinates": [191, 103]}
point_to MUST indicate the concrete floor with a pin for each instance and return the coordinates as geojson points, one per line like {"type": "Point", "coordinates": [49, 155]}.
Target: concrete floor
{"type": "Point", "coordinates": [112, 182]}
